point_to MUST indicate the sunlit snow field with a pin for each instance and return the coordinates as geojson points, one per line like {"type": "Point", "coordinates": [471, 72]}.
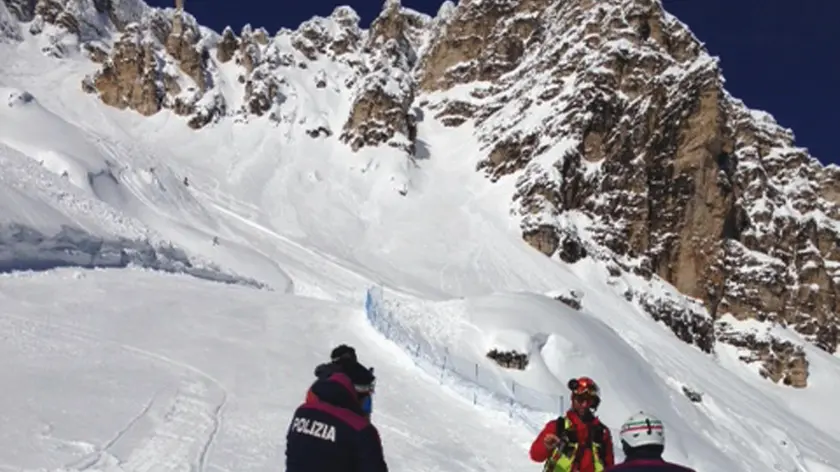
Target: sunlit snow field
{"type": "Point", "coordinates": [174, 327]}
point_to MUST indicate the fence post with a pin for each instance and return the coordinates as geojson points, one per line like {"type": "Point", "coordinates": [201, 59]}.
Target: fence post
{"type": "Point", "coordinates": [475, 390]}
{"type": "Point", "coordinates": [443, 366]}
{"type": "Point", "coordinates": [512, 397]}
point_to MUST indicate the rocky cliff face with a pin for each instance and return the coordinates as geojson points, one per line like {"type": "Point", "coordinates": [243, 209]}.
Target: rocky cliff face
{"type": "Point", "coordinates": [66, 25]}
{"type": "Point", "coordinates": [609, 116]}
{"type": "Point", "coordinates": [385, 91]}
{"type": "Point", "coordinates": [626, 147]}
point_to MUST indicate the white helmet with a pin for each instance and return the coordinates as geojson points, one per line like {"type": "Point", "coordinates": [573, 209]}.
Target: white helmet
{"type": "Point", "coordinates": [643, 429]}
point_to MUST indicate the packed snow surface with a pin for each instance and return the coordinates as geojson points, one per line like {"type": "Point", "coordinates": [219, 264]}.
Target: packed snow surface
{"type": "Point", "coordinates": [638, 365]}
{"type": "Point", "coordinates": [197, 373]}
{"type": "Point", "coordinates": [130, 369]}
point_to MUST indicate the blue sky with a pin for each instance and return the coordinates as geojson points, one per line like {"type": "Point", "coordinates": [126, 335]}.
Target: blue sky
{"type": "Point", "coordinates": [779, 56]}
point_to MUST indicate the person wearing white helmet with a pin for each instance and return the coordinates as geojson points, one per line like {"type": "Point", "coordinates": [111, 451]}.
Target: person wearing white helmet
{"type": "Point", "coordinates": [643, 440]}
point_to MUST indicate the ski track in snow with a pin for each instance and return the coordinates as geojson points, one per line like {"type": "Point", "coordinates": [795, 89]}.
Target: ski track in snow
{"type": "Point", "coordinates": [259, 349]}
{"type": "Point", "coordinates": [327, 262]}
{"type": "Point", "coordinates": [183, 420]}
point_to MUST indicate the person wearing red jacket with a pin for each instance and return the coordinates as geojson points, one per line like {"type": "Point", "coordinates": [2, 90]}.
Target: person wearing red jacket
{"type": "Point", "coordinates": [643, 441]}
{"type": "Point", "coordinates": [577, 441]}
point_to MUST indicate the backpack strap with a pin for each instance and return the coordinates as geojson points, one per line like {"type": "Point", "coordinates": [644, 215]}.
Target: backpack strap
{"type": "Point", "coordinates": [568, 433]}
{"type": "Point", "coordinates": [571, 434]}
{"type": "Point", "coordinates": [596, 431]}
{"type": "Point", "coordinates": [595, 434]}
{"type": "Point", "coordinates": [561, 427]}
{"type": "Point", "coordinates": [598, 435]}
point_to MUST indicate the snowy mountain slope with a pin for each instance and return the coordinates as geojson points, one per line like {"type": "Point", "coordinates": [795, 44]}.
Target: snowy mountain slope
{"type": "Point", "coordinates": [106, 197]}
{"type": "Point", "coordinates": [639, 366]}
{"type": "Point", "coordinates": [549, 115]}
{"type": "Point", "coordinates": [226, 169]}
{"type": "Point", "coordinates": [220, 401]}
{"type": "Point", "coordinates": [45, 221]}
{"type": "Point", "coordinates": [261, 176]}
{"type": "Point", "coordinates": [254, 165]}
{"type": "Point", "coordinates": [303, 213]}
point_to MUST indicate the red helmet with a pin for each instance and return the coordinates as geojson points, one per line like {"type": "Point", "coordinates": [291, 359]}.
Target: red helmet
{"type": "Point", "coordinates": [585, 389]}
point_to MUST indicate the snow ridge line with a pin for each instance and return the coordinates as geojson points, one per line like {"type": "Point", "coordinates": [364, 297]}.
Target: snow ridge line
{"type": "Point", "coordinates": [428, 358]}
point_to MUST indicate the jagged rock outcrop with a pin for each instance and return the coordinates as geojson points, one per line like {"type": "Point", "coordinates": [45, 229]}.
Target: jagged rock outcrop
{"type": "Point", "coordinates": [480, 42]}
{"type": "Point", "coordinates": [571, 298]}
{"type": "Point", "coordinates": [780, 360]}
{"type": "Point", "coordinates": [130, 77]}
{"type": "Point", "coordinates": [256, 56]}
{"type": "Point", "coordinates": [153, 59]}
{"type": "Point", "coordinates": [684, 316]}
{"type": "Point", "coordinates": [67, 24]}
{"type": "Point", "coordinates": [315, 38]}
{"type": "Point", "coordinates": [227, 46]}
{"type": "Point", "coordinates": [9, 27]}
{"type": "Point", "coordinates": [161, 62]}
{"type": "Point", "coordinates": [264, 61]}
{"type": "Point", "coordinates": [509, 359]}
{"type": "Point", "coordinates": [150, 58]}
{"type": "Point", "coordinates": [383, 97]}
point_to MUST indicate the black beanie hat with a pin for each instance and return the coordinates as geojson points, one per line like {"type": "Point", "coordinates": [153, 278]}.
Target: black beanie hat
{"type": "Point", "coordinates": [343, 352]}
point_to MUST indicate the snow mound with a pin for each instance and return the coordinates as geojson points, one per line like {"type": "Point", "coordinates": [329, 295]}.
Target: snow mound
{"type": "Point", "coordinates": [47, 222]}
{"type": "Point", "coordinates": [562, 343]}
{"type": "Point", "coordinates": [103, 169]}
{"type": "Point", "coordinates": [27, 126]}
{"type": "Point", "coordinates": [36, 197]}
{"type": "Point", "coordinates": [119, 190]}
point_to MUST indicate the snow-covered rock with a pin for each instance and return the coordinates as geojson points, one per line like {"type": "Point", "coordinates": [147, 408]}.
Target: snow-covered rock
{"type": "Point", "coordinates": [384, 93]}
{"type": "Point", "coordinates": [613, 120]}
{"type": "Point", "coordinates": [9, 27]}
{"type": "Point", "coordinates": [608, 120]}
{"type": "Point", "coordinates": [161, 62]}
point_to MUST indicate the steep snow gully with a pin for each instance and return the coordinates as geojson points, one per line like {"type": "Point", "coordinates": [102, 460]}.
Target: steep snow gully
{"type": "Point", "coordinates": [122, 353]}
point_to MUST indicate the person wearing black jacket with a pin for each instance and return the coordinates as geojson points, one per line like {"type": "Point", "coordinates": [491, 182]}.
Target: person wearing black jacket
{"type": "Point", "coordinates": [341, 355]}
{"type": "Point", "coordinates": [332, 432]}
